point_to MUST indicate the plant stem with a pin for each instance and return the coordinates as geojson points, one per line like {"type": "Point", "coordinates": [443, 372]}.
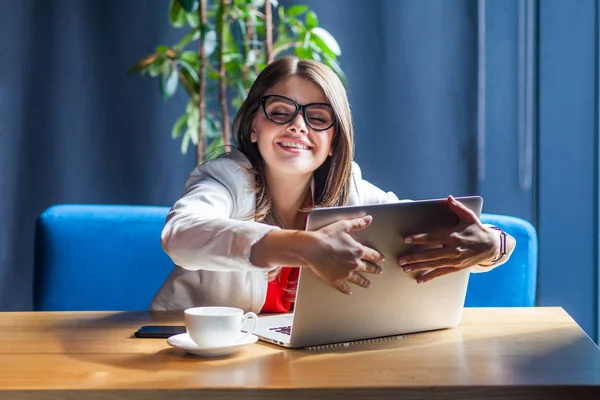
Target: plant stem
{"type": "Point", "coordinates": [248, 41]}
{"type": "Point", "coordinates": [269, 31]}
{"type": "Point", "coordinates": [201, 147]}
{"type": "Point", "coordinates": [222, 83]}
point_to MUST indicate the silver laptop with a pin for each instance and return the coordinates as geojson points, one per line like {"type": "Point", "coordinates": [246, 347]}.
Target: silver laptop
{"type": "Point", "coordinates": [395, 304]}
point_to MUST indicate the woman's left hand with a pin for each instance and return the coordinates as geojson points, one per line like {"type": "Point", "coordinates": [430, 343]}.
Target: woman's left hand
{"type": "Point", "coordinates": [467, 244]}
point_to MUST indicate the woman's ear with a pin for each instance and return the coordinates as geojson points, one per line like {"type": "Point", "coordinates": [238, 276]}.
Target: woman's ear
{"type": "Point", "coordinates": [253, 137]}
{"type": "Point", "coordinates": [330, 152]}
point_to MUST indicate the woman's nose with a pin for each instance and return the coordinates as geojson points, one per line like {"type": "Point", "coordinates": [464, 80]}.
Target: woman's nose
{"type": "Point", "coordinates": [298, 125]}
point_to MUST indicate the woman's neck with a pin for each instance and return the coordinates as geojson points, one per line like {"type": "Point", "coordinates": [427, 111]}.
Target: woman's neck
{"type": "Point", "coordinates": [289, 195]}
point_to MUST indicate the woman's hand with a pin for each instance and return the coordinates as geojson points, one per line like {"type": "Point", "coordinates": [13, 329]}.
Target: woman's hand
{"type": "Point", "coordinates": [467, 244]}
{"type": "Point", "coordinates": [337, 258]}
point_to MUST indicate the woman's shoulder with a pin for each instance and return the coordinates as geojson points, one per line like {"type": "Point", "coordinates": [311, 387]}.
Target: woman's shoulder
{"type": "Point", "coordinates": [230, 159]}
{"type": "Point", "coordinates": [231, 168]}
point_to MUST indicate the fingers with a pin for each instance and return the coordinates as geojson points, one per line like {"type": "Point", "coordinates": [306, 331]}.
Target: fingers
{"type": "Point", "coordinates": [359, 280]}
{"type": "Point", "coordinates": [436, 273]}
{"type": "Point", "coordinates": [410, 261]}
{"type": "Point", "coordinates": [370, 268]}
{"type": "Point", "coordinates": [465, 214]}
{"type": "Point", "coordinates": [438, 237]}
{"type": "Point", "coordinates": [342, 287]}
{"type": "Point", "coordinates": [436, 264]}
{"type": "Point", "coordinates": [356, 224]}
{"type": "Point", "coordinates": [372, 255]}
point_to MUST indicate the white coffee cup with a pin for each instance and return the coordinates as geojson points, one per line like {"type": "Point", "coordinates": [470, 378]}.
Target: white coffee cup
{"type": "Point", "coordinates": [217, 326]}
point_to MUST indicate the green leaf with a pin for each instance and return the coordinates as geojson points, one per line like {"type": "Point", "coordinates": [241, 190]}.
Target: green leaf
{"type": "Point", "coordinates": [252, 57]}
{"type": "Point", "coordinates": [218, 17]}
{"type": "Point", "coordinates": [185, 142]}
{"type": "Point", "coordinates": [311, 20]}
{"type": "Point", "coordinates": [194, 34]}
{"type": "Point", "coordinates": [210, 42]}
{"type": "Point", "coordinates": [212, 75]}
{"type": "Point", "coordinates": [143, 63]}
{"type": "Point", "coordinates": [303, 54]}
{"type": "Point", "coordinates": [297, 26]}
{"type": "Point", "coordinates": [179, 125]}
{"type": "Point", "coordinates": [193, 19]}
{"type": "Point", "coordinates": [295, 10]}
{"type": "Point", "coordinates": [168, 80]}
{"type": "Point", "coordinates": [176, 14]}
{"type": "Point", "coordinates": [236, 102]}
{"type": "Point", "coordinates": [231, 45]}
{"type": "Point", "coordinates": [325, 41]}
{"type": "Point", "coordinates": [162, 49]}
{"type": "Point", "coordinates": [155, 68]}
{"type": "Point", "coordinates": [333, 64]}
{"type": "Point", "coordinates": [258, 3]}
{"type": "Point", "coordinates": [189, 5]}
{"type": "Point", "coordinates": [191, 57]}
{"type": "Point", "coordinates": [193, 120]}
{"type": "Point", "coordinates": [215, 148]}
{"type": "Point", "coordinates": [233, 58]}
{"type": "Point", "coordinates": [242, 23]}
{"type": "Point", "coordinates": [211, 127]}
{"type": "Point", "coordinates": [190, 69]}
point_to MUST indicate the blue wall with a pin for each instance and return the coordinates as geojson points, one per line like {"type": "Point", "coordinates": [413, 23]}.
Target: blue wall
{"type": "Point", "coordinates": [74, 127]}
{"type": "Point", "coordinates": [568, 183]}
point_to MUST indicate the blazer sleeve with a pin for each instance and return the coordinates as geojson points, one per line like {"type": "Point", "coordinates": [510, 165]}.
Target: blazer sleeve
{"type": "Point", "coordinates": [210, 227]}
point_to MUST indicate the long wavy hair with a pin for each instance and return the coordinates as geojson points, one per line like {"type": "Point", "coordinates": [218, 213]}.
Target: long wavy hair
{"type": "Point", "coordinates": [332, 178]}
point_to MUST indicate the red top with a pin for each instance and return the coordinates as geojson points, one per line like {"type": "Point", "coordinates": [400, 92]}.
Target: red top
{"type": "Point", "coordinates": [280, 292]}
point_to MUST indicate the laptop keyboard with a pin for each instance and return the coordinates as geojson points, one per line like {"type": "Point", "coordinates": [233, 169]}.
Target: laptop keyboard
{"type": "Point", "coordinates": [286, 330]}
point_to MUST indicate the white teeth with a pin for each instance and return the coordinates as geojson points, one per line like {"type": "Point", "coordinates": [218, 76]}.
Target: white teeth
{"type": "Point", "coordinates": [295, 145]}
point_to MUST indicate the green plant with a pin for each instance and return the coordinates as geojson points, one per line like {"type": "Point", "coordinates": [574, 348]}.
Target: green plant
{"type": "Point", "coordinates": [233, 40]}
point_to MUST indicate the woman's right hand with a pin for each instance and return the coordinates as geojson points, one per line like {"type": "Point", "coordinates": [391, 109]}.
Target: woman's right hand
{"type": "Point", "coordinates": [337, 258]}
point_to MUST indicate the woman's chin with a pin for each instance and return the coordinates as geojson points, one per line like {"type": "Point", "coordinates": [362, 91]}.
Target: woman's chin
{"type": "Point", "coordinates": [293, 166]}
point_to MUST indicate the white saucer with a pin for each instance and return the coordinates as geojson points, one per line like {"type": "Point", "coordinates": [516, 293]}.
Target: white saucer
{"type": "Point", "coordinates": [184, 341]}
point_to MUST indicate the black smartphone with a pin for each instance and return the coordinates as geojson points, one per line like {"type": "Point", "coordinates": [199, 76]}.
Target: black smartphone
{"type": "Point", "coordinates": [159, 331]}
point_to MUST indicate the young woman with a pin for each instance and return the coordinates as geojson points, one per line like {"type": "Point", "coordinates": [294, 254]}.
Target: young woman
{"type": "Point", "coordinates": [237, 234]}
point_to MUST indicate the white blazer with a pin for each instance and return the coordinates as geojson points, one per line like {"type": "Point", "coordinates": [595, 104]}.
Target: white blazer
{"type": "Point", "coordinates": [209, 233]}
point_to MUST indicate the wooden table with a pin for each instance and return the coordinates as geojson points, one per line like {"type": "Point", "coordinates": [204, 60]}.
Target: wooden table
{"type": "Point", "coordinates": [500, 353]}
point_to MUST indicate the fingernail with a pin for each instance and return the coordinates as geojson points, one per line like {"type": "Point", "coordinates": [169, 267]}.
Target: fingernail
{"type": "Point", "coordinates": [349, 292]}
{"type": "Point", "coordinates": [420, 281]}
{"type": "Point", "coordinates": [402, 261]}
{"type": "Point", "coordinates": [408, 240]}
{"type": "Point", "coordinates": [368, 285]}
{"type": "Point", "coordinates": [380, 271]}
{"type": "Point", "coordinates": [407, 269]}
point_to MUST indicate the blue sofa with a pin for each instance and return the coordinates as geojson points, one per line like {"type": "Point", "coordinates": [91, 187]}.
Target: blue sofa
{"type": "Point", "coordinates": [108, 257]}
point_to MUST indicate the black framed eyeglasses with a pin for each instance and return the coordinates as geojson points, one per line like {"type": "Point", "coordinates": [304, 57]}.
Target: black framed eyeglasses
{"type": "Point", "coordinates": [282, 110]}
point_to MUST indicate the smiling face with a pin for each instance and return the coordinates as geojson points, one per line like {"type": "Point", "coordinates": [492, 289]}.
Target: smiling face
{"type": "Point", "coordinates": [293, 148]}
